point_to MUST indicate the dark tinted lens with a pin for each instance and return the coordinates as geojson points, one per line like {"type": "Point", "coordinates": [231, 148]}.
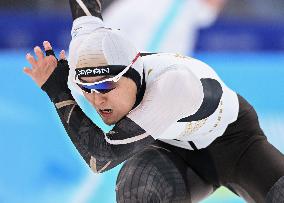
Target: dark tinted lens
{"type": "Point", "coordinates": [103, 88]}
{"type": "Point", "coordinates": [85, 89]}
{"type": "Point", "coordinates": [104, 91]}
{"type": "Point", "coordinates": [108, 85]}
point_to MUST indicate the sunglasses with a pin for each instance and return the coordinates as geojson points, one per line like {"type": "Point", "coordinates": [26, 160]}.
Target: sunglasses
{"type": "Point", "coordinates": [106, 85]}
{"type": "Point", "coordinates": [102, 88]}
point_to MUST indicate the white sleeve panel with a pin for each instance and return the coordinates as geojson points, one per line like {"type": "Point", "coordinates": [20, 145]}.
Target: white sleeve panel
{"type": "Point", "coordinates": [175, 94]}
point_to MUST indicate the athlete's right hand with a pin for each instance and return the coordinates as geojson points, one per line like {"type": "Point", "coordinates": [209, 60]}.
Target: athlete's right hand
{"type": "Point", "coordinates": [44, 66]}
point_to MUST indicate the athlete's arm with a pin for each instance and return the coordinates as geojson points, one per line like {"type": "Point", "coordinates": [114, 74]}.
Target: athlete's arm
{"type": "Point", "coordinates": [101, 151]}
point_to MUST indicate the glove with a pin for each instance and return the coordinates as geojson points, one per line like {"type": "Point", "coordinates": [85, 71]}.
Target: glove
{"type": "Point", "coordinates": [57, 82]}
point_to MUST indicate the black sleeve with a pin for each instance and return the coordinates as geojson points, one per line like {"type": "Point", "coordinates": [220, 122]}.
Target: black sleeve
{"type": "Point", "coordinates": [94, 7]}
{"type": "Point", "coordinates": [101, 151]}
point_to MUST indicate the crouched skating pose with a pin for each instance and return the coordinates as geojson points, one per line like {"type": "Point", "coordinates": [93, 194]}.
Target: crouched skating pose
{"type": "Point", "coordinates": [180, 130]}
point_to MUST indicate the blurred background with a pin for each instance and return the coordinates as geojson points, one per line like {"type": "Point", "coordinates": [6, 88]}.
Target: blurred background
{"type": "Point", "coordinates": [243, 42]}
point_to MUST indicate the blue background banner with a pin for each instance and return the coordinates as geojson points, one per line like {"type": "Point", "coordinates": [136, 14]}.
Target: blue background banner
{"type": "Point", "coordinates": [27, 29]}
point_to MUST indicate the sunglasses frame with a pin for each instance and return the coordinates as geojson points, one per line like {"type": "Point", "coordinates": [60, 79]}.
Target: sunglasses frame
{"type": "Point", "coordinates": [112, 79]}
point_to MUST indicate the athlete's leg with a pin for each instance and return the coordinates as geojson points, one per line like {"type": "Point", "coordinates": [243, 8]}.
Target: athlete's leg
{"type": "Point", "coordinates": [158, 175]}
{"type": "Point", "coordinates": [247, 163]}
{"type": "Point", "coordinates": [259, 174]}
{"type": "Point", "coordinates": [276, 192]}
{"type": "Point", "coordinates": [259, 171]}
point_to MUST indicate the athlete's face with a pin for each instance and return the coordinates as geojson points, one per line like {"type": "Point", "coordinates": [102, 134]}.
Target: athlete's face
{"type": "Point", "coordinates": [117, 103]}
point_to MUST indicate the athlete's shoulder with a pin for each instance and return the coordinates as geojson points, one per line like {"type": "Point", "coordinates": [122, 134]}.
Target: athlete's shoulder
{"type": "Point", "coordinates": [159, 63]}
{"type": "Point", "coordinates": [167, 59]}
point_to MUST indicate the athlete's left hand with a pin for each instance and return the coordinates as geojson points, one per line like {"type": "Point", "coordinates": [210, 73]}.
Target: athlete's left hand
{"type": "Point", "coordinates": [44, 66]}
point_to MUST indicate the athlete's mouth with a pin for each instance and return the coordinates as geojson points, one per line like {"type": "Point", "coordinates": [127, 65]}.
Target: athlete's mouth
{"type": "Point", "coordinates": [105, 111]}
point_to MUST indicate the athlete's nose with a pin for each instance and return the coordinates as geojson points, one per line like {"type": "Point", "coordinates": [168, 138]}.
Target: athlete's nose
{"type": "Point", "coordinates": [98, 99]}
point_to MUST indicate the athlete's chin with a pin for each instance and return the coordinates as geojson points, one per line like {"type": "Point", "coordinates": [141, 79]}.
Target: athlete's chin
{"type": "Point", "coordinates": [110, 121]}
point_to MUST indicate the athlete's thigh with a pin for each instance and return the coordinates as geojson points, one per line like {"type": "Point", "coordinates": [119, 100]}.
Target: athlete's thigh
{"type": "Point", "coordinates": [249, 166]}
{"type": "Point", "coordinates": [158, 175]}
{"type": "Point", "coordinates": [245, 161]}
{"type": "Point", "coordinates": [259, 168]}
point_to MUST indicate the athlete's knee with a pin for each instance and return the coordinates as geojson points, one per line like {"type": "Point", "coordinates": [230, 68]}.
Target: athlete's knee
{"type": "Point", "coordinates": [276, 193]}
{"type": "Point", "coordinates": [135, 187]}
{"type": "Point", "coordinates": [145, 179]}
